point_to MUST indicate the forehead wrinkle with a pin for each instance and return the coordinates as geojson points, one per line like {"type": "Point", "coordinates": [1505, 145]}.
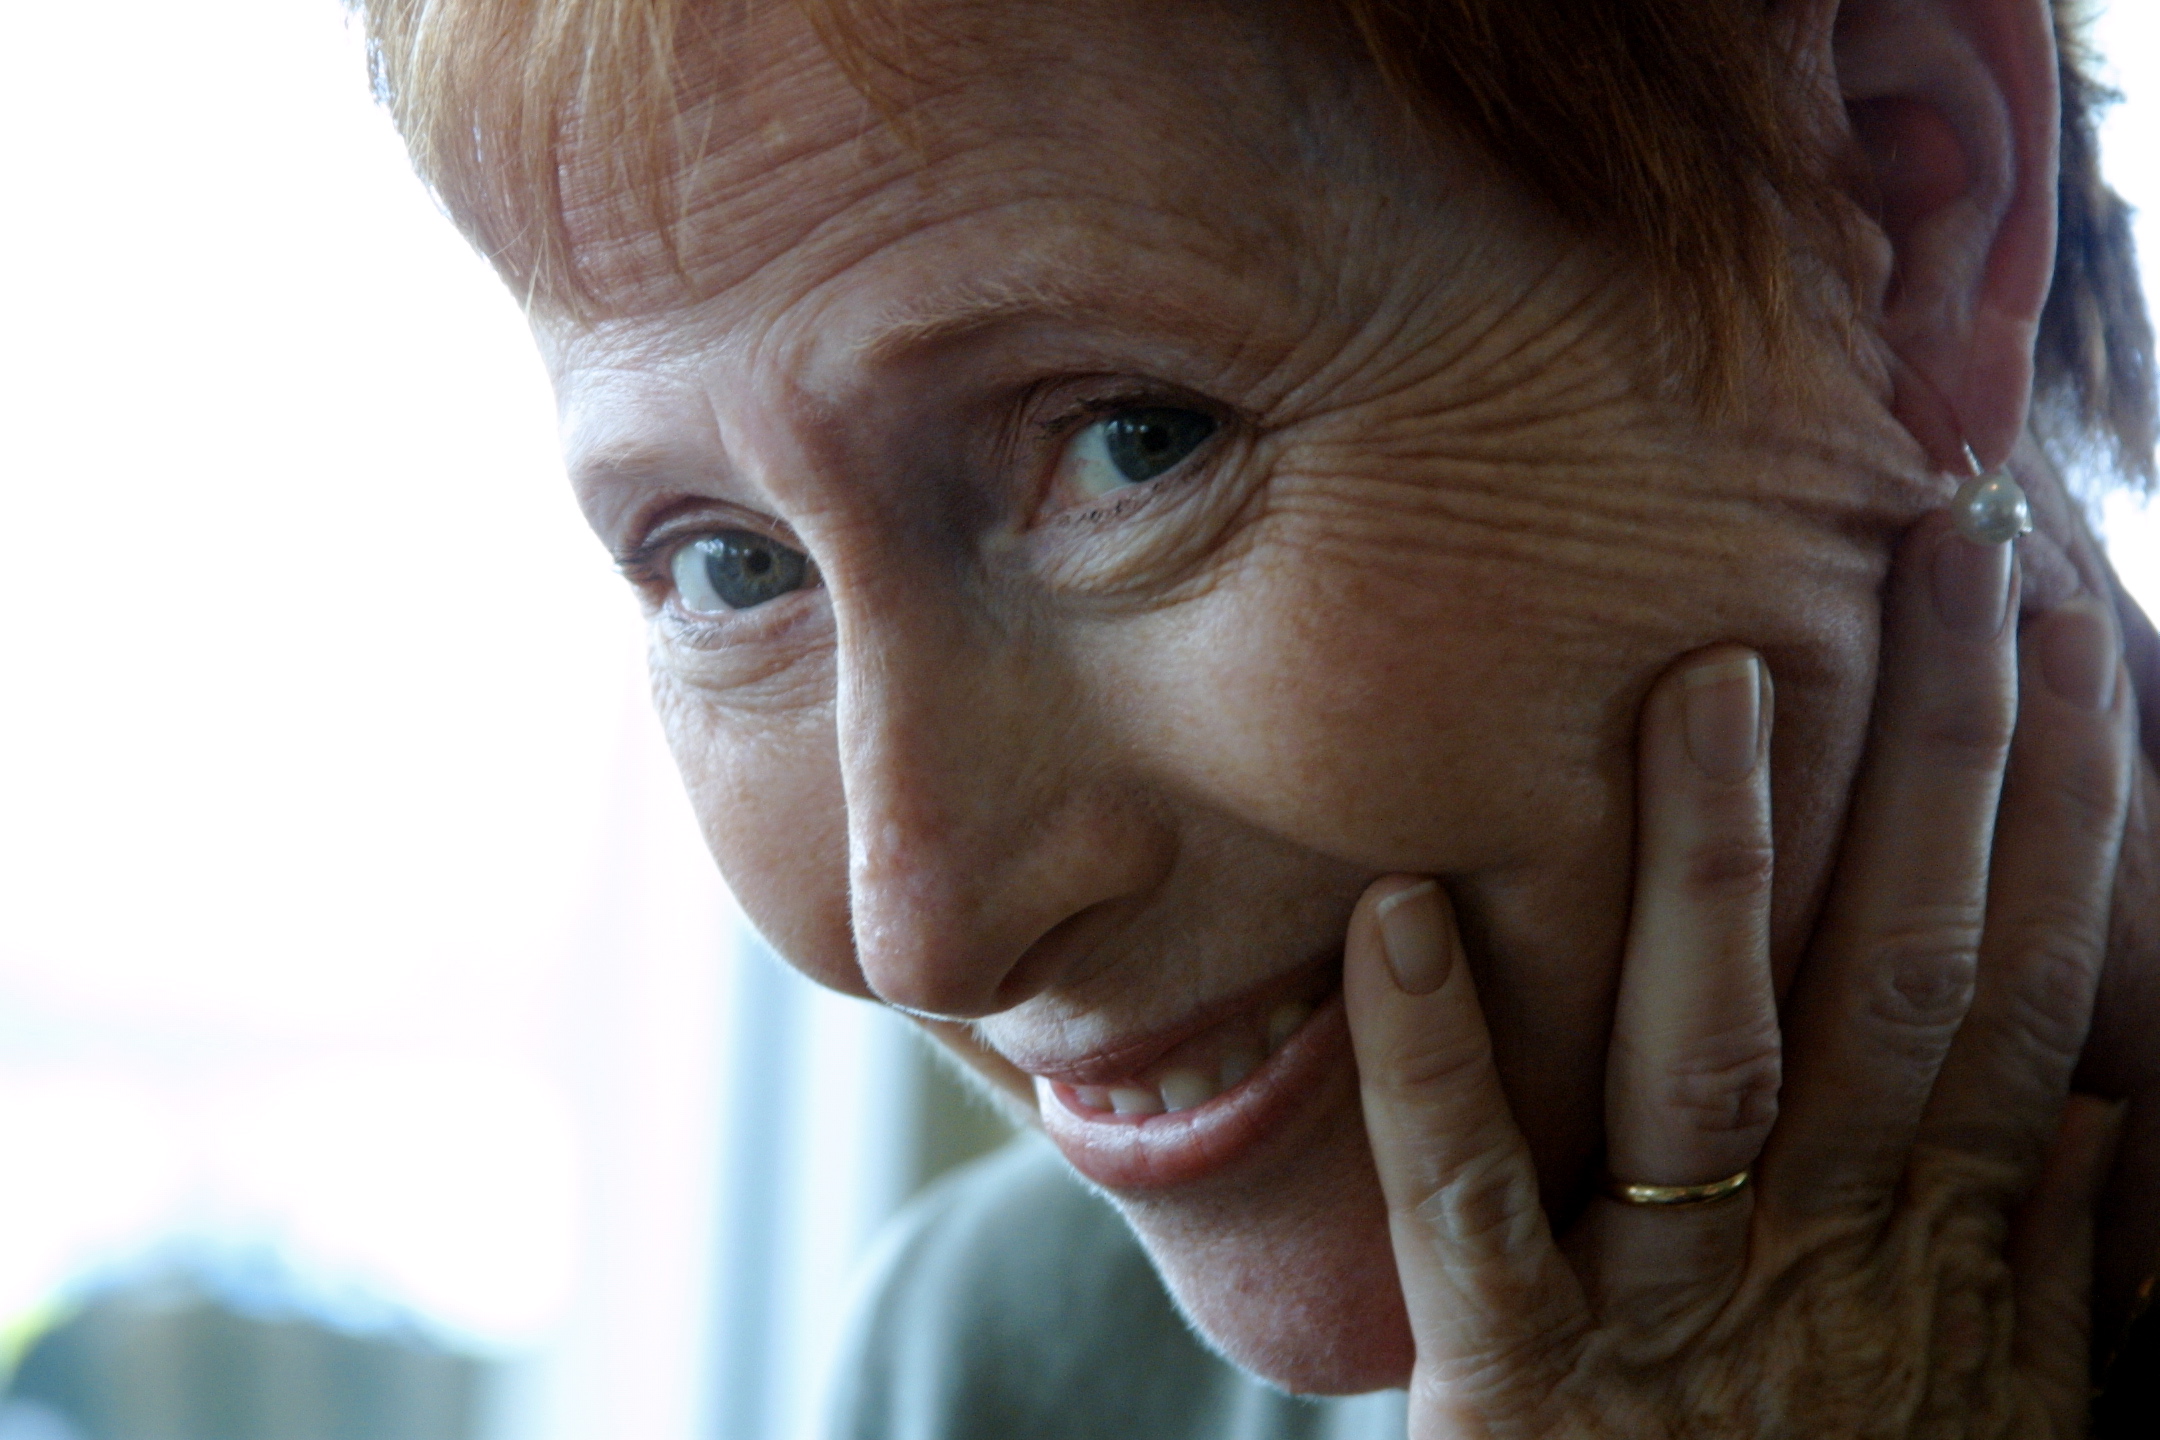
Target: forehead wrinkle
{"type": "Point", "coordinates": [778, 156]}
{"type": "Point", "coordinates": [987, 304]}
{"type": "Point", "coordinates": [981, 304]}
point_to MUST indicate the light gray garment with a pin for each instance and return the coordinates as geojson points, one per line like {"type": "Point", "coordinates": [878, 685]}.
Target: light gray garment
{"type": "Point", "coordinates": [1012, 1303]}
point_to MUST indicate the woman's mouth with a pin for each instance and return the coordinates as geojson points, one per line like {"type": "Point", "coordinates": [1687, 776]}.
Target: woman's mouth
{"type": "Point", "coordinates": [1198, 1070]}
{"type": "Point", "coordinates": [1196, 1104]}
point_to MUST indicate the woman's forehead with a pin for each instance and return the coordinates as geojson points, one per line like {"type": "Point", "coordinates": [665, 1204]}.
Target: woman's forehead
{"type": "Point", "coordinates": [1049, 127]}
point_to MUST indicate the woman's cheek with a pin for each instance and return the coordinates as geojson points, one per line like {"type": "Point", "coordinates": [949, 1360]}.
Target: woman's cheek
{"type": "Point", "coordinates": [765, 785]}
{"type": "Point", "coordinates": [1418, 722]}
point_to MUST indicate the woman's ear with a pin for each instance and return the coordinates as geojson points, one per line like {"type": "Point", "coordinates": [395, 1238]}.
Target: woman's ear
{"type": "Point", "coordinates": [1955, 108]}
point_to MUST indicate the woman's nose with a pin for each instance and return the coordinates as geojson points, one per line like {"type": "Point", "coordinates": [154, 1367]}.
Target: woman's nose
{"type": "Point", "coordinates": [984, 809]}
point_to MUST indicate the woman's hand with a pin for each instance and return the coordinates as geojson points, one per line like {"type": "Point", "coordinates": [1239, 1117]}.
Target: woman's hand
{"type": "Point", "coordinates": [1913, 1257]}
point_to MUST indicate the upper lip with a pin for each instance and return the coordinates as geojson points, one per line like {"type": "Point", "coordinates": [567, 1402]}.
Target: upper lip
{"type": "Point", "coordinates": [1123, 1058]}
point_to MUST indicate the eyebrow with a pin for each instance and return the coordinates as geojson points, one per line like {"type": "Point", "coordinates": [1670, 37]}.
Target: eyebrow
{"type": "Point", "coordinates": [981, 305]}
{"type": "Point", "coordinates": [616, 462]}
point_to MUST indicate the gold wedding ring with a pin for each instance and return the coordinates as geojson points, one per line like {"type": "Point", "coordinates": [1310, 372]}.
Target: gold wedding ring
{"type": "Point", "coordinates": [1627, 1194]}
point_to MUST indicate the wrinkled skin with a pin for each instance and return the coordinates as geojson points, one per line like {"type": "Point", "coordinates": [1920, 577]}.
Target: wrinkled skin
{"type": "Point", "coordinates": [1912, 1257]}
{"type": "Point", "coordinates": [1048, 770]}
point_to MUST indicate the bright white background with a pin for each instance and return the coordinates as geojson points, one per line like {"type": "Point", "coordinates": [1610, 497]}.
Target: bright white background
{"type": "Point", "coordinates": [347, 905]}
{"type": "Point", "coordinates": [350, 910]}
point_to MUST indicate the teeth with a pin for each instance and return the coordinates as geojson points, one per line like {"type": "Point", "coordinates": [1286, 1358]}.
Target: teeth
{"type": "Point", "coordinates": [1193, 1084]}
{"type": "Point", "coordinates": [1239, 1061]}
{"type": "Point", "coordinates": [1183, 1089]}
{"type": "Point", "coordinates": [1135, 1100]}
{"type": "Point", "coordinates": [1283, 1021]}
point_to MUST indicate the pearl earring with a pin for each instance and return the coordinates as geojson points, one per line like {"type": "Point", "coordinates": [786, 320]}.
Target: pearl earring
{"type": "Point", "coordinates": [1990, 509]}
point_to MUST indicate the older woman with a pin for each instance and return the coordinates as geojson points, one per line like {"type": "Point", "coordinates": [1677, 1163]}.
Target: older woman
{"type": "Point", "coordinates": [1130, 494]}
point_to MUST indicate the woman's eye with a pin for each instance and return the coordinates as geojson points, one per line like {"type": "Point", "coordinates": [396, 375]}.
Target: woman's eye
{"type": "Point", "coordinates": [735, 570]}
{"type": "Point", "coordinates": [1132, 447]}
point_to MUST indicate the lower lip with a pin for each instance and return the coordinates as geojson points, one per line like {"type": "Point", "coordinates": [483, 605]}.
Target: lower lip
{"type": "Point", "coordinates": [1153, 1152]}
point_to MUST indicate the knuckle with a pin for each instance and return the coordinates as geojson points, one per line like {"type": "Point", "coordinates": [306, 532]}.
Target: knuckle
{"type": "Point", "coordinates": [1953, 1188]}
{"type": "Point", "coordinates": [1729, 867]}
{"type": "Point", "coordinates": [1967, 737]}
{"type": "Point", "coordinates": [2048, 993]}
{"type": "Point", "coordinates": [1923, 982]}
{"type": "Point", "coordinates": [1486, 1206]}
{"type": "Point", "coordinates": [1518, 1372]}
{"type": "Point", "coordinates": [2087, 795]}
{"type": "Point", "coordinates": [1731, 1085]}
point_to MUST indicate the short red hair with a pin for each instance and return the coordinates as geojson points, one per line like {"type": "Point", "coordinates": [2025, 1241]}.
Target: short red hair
{"type": "Point", "coordinates": [1671, 127]}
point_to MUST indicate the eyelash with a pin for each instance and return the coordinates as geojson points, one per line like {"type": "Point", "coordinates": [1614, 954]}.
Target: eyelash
{"type": "Point", "coordinates": [676, 524]}
{"type": "Point", "coordinates": [645, 563]}
{"type": "Point", "coordinates": [1060, 430]}
{"type": "Point", "coordinates": [1078, 416]}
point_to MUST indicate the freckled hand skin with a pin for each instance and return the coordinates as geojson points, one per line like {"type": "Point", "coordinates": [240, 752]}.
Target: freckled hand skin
{"type": "Point", "coordinates": [1062, 772]}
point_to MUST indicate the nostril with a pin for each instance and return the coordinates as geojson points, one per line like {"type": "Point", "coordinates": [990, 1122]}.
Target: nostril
{"type": "Point", "coordinates": [970, 977]}
{"type": "Point", "coordinates": [978, 873]}
{"type": "Point", "coordinates": [925, 947]}
{"type": "Point", "coordinates": [963, 930]}
{"type": "Point", "coordinates": [1053, 952]}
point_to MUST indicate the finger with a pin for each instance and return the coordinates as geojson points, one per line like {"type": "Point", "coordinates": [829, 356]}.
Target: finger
{"type": "Point", "coordinates": [2051, 1254]}
{"type": "Point", "coordinates": [2065, 798]}
{"type": "Point", "coordinates": [1492, 1305]}
{"type": "Point", "coordinates": [1891, 972]}
{"type": "Point", "coordinates": [1692, 1072]}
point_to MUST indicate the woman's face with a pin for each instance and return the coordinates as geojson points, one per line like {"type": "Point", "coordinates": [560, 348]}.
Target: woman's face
{"type": "Point", "coordinates": [1214, 497]}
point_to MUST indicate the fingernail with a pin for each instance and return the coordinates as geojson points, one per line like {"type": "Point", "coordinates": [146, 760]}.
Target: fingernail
{"type": "Point", "coordinates": [2077, 656]}
{"type": "Point", "coordinates": [1972, 585]}
{"type": "Point", "coordinates": [1724, 717]}
{"type": "Point", "coordinates": [1410, 935]}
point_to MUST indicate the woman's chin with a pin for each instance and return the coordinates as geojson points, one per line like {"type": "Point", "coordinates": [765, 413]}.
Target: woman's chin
{"type": "Point", "coordinates": [1286, 1267]}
